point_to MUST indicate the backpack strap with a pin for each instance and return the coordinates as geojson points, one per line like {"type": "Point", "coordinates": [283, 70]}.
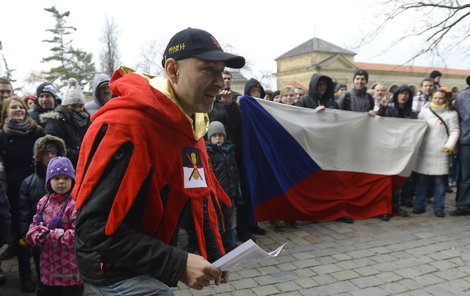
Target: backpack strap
{"type": "Point", "coordinates": [442, 120]}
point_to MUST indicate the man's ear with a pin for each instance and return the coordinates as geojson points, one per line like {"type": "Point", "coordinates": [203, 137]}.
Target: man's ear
{"type": "Point", "coordinates": [171, 70]}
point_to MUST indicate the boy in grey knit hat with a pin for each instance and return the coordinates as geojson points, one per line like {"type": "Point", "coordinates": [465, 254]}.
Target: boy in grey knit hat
{"type": "Point", "coordinates": [222, 156]}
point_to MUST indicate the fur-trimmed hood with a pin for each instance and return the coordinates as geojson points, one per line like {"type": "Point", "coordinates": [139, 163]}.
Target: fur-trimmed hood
{"type": "Point", "coordinates": [44, 117]}
{"type": "Point", "coordinates": [40, 144]}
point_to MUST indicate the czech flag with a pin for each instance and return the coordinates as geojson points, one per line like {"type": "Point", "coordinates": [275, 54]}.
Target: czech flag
{"type": "Point", "coordinates": [304, 165]}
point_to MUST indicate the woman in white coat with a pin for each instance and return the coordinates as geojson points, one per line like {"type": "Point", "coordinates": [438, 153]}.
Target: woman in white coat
{"type": "Point", "coordinates": [432, 165]}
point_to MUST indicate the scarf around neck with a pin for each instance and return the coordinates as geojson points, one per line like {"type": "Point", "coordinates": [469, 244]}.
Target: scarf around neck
{"type": "Point", "coordinates": [15, 126]}
{"type": "Point", "coordinates": [80, 118]}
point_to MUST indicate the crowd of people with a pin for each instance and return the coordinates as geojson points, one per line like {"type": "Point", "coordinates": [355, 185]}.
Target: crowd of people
{"type": "Point", "coordinates": [35, 130]}
{"type": "Point", "coordinates": [114, 223]}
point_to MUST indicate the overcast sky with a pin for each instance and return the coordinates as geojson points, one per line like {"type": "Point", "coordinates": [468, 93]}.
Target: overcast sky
{"type": "Point", "coordinates": [258, 30]}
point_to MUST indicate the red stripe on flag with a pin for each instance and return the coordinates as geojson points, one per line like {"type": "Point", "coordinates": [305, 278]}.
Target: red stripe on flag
{"type": "Point", "coordinates": [330, 195]}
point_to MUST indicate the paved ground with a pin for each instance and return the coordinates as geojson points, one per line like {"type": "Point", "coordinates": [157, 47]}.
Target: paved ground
{"type": "Point", "coordinates": [420, 255]}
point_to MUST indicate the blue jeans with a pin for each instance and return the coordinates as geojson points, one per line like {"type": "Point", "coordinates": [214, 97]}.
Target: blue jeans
{"type": "Point", "coordinates": [422, 184]}
{"type": "Point", "coordinates": [137, 286]}
{"type": "Point", "coordinates": [463, 179]}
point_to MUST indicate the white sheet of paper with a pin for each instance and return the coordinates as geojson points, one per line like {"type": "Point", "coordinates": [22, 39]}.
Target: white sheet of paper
{"type": "Point", "coordinates": [244, 256]}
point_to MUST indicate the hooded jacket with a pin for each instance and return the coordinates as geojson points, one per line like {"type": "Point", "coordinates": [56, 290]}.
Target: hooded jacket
{"type": "Point", "coordinates": [95, 104]}
{"type": "Point", "coordinates": [313, 99]}
{"type": "Point", "coordinates": [252, 83]}
{"type": "Point", "coordinates": [135, 176]}
{"type": "Point", "coordinates": [32, 188]}
{"type": "Point", "coordinates": [395, 110]}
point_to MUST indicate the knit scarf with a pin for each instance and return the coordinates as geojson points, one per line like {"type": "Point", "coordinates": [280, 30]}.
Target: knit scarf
{"type": "Point", "coordinates": [18, 127]}
{"type": "Point", "coordinates": [80, 118]}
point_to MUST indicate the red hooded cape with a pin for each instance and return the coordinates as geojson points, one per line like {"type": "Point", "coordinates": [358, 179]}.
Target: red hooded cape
{"type": "Point", "coordinates": [165, 147]}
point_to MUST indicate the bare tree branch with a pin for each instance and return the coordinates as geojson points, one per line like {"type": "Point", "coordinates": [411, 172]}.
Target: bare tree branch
{"type": "Point", "coordinates": [434, 24]}
{"type": "Point", "coordinates": [109, 56]}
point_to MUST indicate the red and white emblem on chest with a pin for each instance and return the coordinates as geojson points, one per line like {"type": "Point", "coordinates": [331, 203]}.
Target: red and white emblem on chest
{"type": "Point", "coordinates": [193, 171]}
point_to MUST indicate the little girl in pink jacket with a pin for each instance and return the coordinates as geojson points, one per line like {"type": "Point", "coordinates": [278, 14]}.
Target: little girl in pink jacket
{"type": "Point", "coordinates": [53, 229]}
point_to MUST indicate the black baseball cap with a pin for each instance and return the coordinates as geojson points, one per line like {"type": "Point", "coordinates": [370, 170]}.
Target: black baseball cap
{"type": "Point", "coordinates": [199, 44]}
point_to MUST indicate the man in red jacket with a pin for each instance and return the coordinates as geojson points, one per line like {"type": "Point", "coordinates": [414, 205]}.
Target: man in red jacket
{"type": "Point", "coordinates": [142, 164]}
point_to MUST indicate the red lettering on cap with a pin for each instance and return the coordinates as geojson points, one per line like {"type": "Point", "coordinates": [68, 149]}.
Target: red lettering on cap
{"type": "Point", "coordinates": [215, 42]}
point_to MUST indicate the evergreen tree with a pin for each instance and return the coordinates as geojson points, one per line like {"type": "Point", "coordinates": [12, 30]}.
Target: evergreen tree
{"type": "Point", "coordinates": [69, 61]}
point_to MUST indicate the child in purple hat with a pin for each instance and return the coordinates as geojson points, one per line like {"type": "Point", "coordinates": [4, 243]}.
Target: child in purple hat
{"type": "Point", "coordinates": [53, 229]}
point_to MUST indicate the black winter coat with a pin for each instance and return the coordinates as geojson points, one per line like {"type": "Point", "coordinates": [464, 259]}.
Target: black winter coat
{"type": "Point", "coordinates": [17, 153]}
{"type": "Point", "coordinates": [60, 123]}
{"type": "Point", "coordinates": [313, 99]}
{"type": "Point", "coordinates": [224, 165]}
{"type": "Point", "coordinates": [231, 117]}
{"type": "Point", "coordinates": [36, 112]}
{"type": "Point", "coordinates": [32, 189]}
{"type": "Point", "coordinates": [395, 110]}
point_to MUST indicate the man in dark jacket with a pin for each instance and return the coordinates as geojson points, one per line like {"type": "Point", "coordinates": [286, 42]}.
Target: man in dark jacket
{"type": "Point", "coordinates": [144, 160]}
{"type": "Point", "coordinates": [46, 101]}
{"type": "Point", "coordinates": [320, 93]}
{"type": "Point", "coordinates": [358, 99]}
{"type": "Point", "coordinates": [227, 111]}
{"type": "Point", "coordinates": [402, 101]}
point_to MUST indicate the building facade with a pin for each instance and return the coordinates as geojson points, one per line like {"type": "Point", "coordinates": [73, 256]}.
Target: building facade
{"type": "Point", "coordinates": [318, 56]}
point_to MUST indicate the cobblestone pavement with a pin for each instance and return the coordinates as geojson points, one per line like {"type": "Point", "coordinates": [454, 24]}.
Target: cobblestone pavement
{"type": "Point", "coordinates": [420, 255]}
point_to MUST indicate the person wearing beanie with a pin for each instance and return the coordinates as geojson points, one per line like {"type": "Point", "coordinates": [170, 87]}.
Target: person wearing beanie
{"type": "Point", "coordinates": [224, 165]}
{"type": "Point", "coordinates": [436, 76]}
{"type": "Point", "coordinates": [361, 72]}
{"type": "Point", "coordinates": [216, 127]}
{"type": "Point", "coordinates": [144, 167]}
{"type": "Point", "coordinates": [69, 121]}
{"type": "Point", "coordinates": [358, 99]}
{"type": "Point", "coordinates": [52, 229]}
{"type": "Point", "coordinates": [32, 188]}
{"type": "Point", "coordinates": [276, 96]}
{"type": "Point", "coordinates": [340, 89]}
{"type": "Point", "coordinates": [468, 81]}
{"type": "Point", "coordinates": [101, 93]}
{"type": "Point", "coordinates": [29, 101]}
{"type": "Point", "coordinates": [73, 94]}
{"type": "Point", "coordinates": [46, 100]}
